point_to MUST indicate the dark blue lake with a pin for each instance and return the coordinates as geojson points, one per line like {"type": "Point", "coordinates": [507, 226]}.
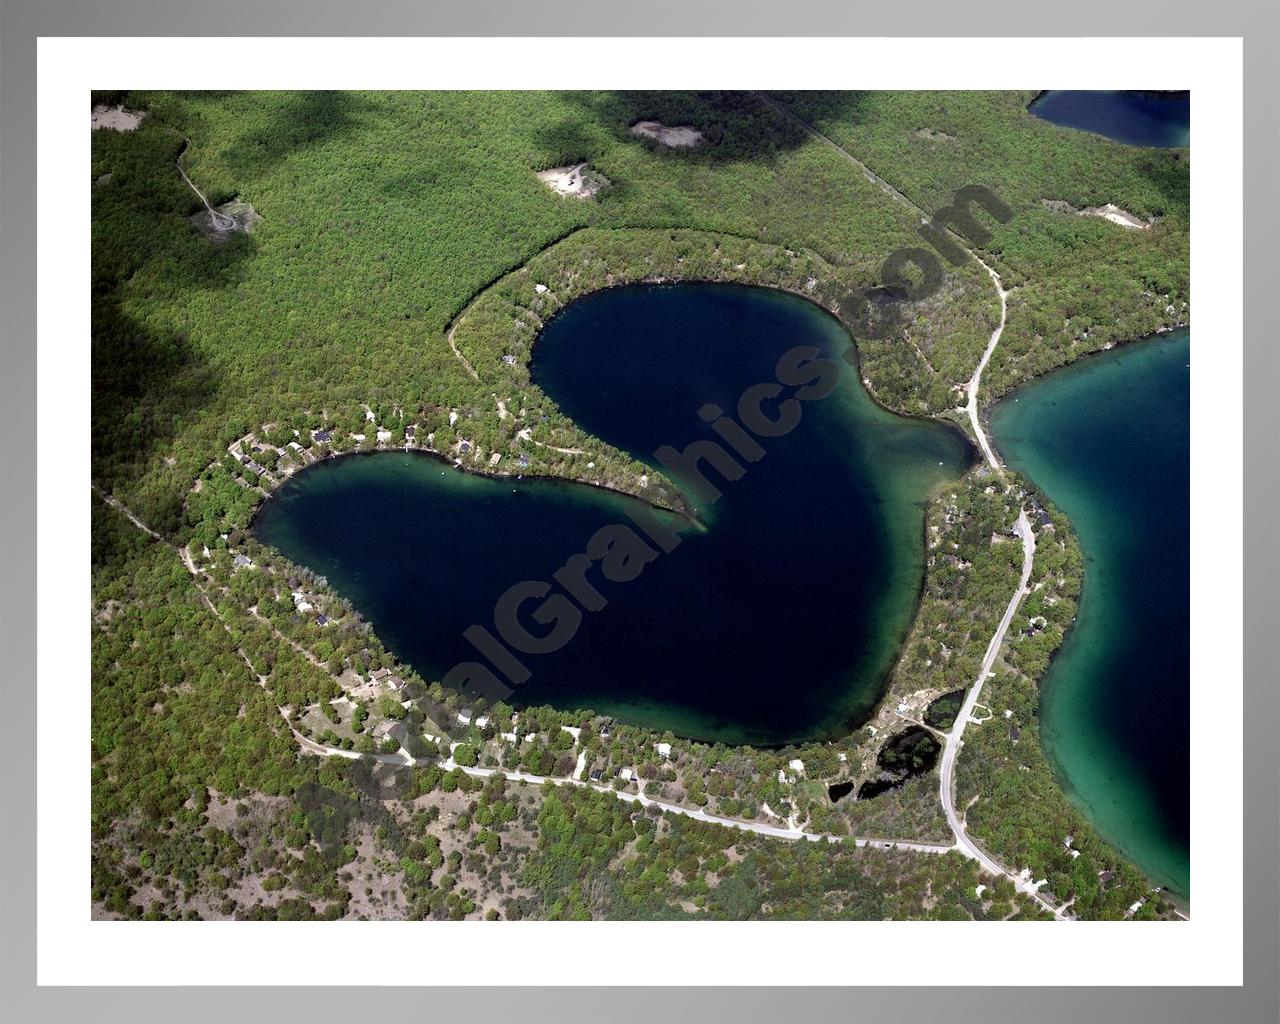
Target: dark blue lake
{"type": "Point", "coordinates": [1137, 118]}
{"type": "Point", "coordinates": [777, 618]}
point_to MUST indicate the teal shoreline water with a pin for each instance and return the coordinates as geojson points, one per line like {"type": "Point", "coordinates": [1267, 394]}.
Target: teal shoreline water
{"type": "Point", "coordinates": [777, 621]}
{"type": "Point", "coordinates": [1108, 441]}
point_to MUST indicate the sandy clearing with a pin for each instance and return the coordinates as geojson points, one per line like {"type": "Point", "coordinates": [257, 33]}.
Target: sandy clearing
{"type": "Point", "coordinates": [116, 119]}
{"type": "Point", "coordinates": [221, 222]}
{"type": "Point", "coordinates": [1111, 212]}
{"type": "Point", "coordinates": [578, 181]}
{"type": "Point", "coordinates": [681, 136]}
{"type": "Point", "coordinates": [1117, 215]}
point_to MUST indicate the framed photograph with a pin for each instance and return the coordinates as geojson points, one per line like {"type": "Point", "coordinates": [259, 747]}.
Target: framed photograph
{"type": "Point", "coordinates": [586, 483]}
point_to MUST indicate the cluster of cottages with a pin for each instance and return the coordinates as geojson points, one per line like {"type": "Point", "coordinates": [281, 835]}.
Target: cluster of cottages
{"type": "Point", "coordinates": [462, 448]}
{"type": "Point", "coordinates": [304, 607]}
{"type": "Point", "coordinates": [300, 603]}
{"type": "Point", "coordinates": [465, 717]}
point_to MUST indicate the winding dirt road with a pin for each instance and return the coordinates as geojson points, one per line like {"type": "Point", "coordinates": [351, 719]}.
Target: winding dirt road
{"type": "Point", "coordinates": [974, 381]}
{"type": "Point", "coordinates": [219, 220]}
{"type": "Point", "coordinates": [404, 760]}
{"type": "Point", "coordinates": [907, 203]}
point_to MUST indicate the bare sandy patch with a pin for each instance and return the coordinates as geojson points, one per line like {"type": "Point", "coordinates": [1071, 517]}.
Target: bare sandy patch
{"type": "Point", "coordinates": [578, 180]}
{"type": "Point", "coordinates": [1109, 212]}
{"type": "Point", "coordinates": [933, 136]}
{"type": "Point", "coordinates": [116, 119]}
{"type": "Point", "coordinates": [681, 136]}
{"type": "Point", "coordinates": [1116, 215]}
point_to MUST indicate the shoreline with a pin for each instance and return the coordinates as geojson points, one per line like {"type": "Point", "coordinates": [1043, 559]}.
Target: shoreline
{"type": "Point", "coordinates": [1062, 780]}
{"type": "Point", "coordinates": [850, 726]}
{"type": "Point", "coordinates": [843, 729]}
{"type": "Point", "coordinates": [432, 453]}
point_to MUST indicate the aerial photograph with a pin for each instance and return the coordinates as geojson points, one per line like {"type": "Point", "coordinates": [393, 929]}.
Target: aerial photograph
{"type": "Point", "coordinates": [619, 506]}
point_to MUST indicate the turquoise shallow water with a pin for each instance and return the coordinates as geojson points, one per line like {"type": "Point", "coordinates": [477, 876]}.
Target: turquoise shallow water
{"type": "Point", "coordinates": [776, 622]}
{"type": "Point", "coordinates": [1108, 440]}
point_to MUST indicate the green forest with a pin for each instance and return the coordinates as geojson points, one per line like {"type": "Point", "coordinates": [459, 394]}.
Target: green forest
{"type": "Point", "coordinates": [405, 247]}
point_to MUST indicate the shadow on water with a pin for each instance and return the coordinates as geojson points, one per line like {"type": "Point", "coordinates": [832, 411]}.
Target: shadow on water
{"type": "Point", "coordinates": [837, 791]}
{"type": "Point", "coordinates": [912, 752]}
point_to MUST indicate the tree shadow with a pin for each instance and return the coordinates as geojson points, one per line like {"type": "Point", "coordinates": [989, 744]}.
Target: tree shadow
{"type": "Point", "coordinates": [735, 125]}
{"type": "Point", "coordinates": [145, 385]}
{"type": "Point", "coordinates": [147, 380]}
{"type": "Point", "coordinates": [288, 123]}
{"type": "Point", "coordinates": [141, 217]}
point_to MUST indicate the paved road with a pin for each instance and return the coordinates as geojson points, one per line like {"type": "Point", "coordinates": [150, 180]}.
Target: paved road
{"type": "Point", "coordinates": [955, 738]}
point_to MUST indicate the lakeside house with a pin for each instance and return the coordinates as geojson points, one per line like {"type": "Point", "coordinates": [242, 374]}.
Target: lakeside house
{"type": "Point", "coordinates": [321, 436]}
{"type": "Point", "coordinates": [509, 359]}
